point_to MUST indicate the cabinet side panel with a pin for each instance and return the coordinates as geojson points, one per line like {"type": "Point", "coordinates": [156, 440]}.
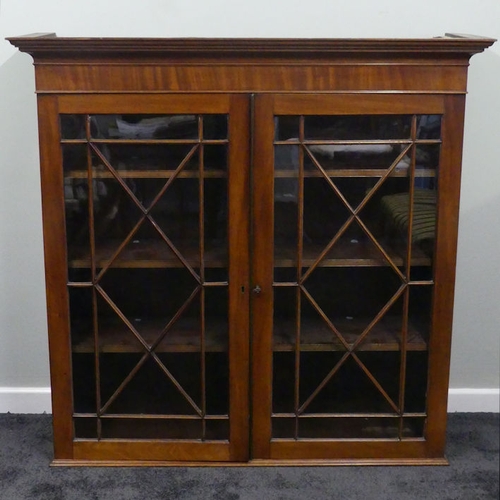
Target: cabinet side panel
{"type": "Point", "coordinates": [445, 261]}
{"type": "Point", "coordinates": [55, 274]}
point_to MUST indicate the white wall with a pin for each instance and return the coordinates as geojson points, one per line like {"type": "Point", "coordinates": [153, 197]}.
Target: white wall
{"type": "Point", "coordinates": [23, 351]}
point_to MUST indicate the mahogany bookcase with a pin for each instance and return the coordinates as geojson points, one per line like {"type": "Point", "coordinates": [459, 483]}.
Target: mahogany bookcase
{"type": "Point", "coordinates": [250, 246]}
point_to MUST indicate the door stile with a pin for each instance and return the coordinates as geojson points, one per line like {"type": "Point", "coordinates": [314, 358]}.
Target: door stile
{"type": "Point", "coordinates": [262, 273]}
{"type": "Point", "coordinates": [239, 293]}
{"type": "Point", "coordinates": [56, 275]}
{"type": "Point", "coordinates": [446, 248]}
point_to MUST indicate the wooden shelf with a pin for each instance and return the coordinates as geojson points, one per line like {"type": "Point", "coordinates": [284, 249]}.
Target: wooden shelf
{"type": "Point", "coordinates": [135, 141]}
{"type": "Point", "coordinates": [315, 335]}
{"type": "Point", "coordinates": [347, 254]}
{"type": "Point", "coordinates": [147, 173]}
{"type": "Point", "coordinates": [149, 254]}
{"type": "Point", "coordinates": [348, 427]}
{"type": "Point", "coordinates": [156, 254]}
{"type": "Point", "coordinates": [354, 172]}
{"type": "Point", "coordinates": [115, 337]}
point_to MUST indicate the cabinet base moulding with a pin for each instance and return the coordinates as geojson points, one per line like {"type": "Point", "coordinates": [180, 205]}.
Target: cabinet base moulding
{"type": "Point", "coordinates": [251, 463]}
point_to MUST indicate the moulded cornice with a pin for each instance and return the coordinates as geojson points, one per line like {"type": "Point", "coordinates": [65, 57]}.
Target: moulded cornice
{"type": "Point", "coordinates": [49, 45]}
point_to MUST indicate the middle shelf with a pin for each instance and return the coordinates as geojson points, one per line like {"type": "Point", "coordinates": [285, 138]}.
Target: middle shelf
{"type": "Point", "coordinates": [157, 254]}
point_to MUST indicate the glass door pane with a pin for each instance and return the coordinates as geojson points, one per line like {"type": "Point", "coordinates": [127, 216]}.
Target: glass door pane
{"type": "Point", "coordinates": [354, 205]}
{"type": "Point", "coordinates": [147, 220]}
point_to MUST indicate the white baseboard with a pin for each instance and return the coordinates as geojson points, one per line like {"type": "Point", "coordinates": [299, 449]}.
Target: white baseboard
{"type": "Point", "coordinates": [474, 400]}
{"type": "Point", "coordinates": [25, 400]}
{"type": "Point", "coordinates": [37, 400]}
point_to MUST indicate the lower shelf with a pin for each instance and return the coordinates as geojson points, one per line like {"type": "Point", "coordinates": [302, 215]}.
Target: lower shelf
{"type": "Point", "coordinates": [351, 427]}
{"type": "Point", "coordinates": [153, 427]}
{"type": "Point", "coordinates": [315, 335]}
{"type": "Point", "coordinates": [114, 337]}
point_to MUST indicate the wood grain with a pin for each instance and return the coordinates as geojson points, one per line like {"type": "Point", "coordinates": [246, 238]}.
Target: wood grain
{"type": "Point", "coordinates": [56, 276]}
{"type": "Point", "coordinates": [445, 265]}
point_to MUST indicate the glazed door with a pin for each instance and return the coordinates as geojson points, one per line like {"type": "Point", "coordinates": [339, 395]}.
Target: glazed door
{"type": "Point", "coordinates": [151, 198]}
{"type": "Point", "coordinates": [346, 318]}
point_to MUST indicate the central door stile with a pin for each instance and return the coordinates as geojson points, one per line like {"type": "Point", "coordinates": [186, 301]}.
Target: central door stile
{"type": "Point", "coordinates": [239, 243]}
{"type": "Point", "coordinates": [262, 273]}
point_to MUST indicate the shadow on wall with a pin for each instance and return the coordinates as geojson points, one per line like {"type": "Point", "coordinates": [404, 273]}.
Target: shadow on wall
{"type": "Point", "coordinates": [23, 340]}
{"type": "Point", "coordinates": [475, 353]}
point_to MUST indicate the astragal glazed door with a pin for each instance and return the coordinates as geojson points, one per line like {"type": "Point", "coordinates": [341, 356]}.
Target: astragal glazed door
{"type": "Point", "coordinates": [154, 194]}
{"type": "Point", "coordinates": [347, 309]}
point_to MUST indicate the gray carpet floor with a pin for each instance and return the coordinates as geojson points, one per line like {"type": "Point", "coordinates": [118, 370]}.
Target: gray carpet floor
{"type": "Point", "coordinates": [473, 473]}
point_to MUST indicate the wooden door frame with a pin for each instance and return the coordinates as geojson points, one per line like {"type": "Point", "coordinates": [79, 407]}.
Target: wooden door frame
{"type": "Point", "coordinates": [431, 449]}
{"type": "Point", "coordinates": [66, 448]}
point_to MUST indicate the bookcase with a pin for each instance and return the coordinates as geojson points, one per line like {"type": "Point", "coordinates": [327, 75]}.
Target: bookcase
{"type": "Point", "coordinates": [250, 246]}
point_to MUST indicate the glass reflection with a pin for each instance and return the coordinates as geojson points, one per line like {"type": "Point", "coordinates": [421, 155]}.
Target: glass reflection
{"type": "Point", "coordinates": [359, 127]}
{"type": "Point", "coordinates": [355, 200]}
{"type": "Point", "coordinates": [122, 205]}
